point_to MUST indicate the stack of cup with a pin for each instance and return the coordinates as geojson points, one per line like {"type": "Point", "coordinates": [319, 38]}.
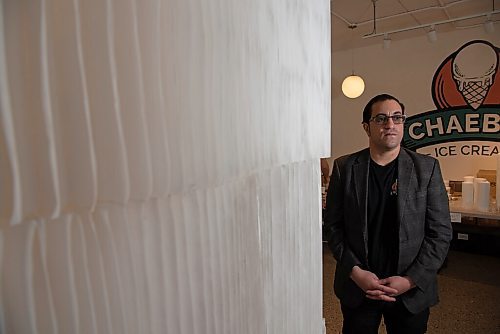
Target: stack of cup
{"type": "Point", "coordinates": [476, 193]}
{"type": "Point", "coordinates": [468, 192]}
{"type": "Point", "coordinates": [481, 194]}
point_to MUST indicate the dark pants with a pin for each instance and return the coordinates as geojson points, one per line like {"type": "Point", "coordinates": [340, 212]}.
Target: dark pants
{"type": "Point", "coordinates": [365, 319]}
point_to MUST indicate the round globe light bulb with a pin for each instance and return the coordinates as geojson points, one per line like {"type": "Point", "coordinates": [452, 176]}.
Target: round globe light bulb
{"type": "Point", "coordinates": [353, 86]}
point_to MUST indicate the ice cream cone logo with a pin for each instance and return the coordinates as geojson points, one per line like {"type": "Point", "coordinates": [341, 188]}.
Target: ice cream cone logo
{"type": "Point", "coordinates": [466, 92]}
{"type": "Point", "coordinates": [473, 70]}
{"type": "Point", "coordinates": [468, 77]}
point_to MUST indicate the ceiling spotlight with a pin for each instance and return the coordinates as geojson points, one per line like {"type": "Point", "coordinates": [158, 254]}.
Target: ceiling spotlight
{"type": "Point", "coordinates": [488, 26]}
{"type": "Point", "coordinates": [432, 35]}
{"type": "Point", "coordinates": [387, 42]}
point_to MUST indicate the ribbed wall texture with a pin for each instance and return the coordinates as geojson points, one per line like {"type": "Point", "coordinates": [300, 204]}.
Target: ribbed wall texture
{"type": "Point", "coordinates": [159, 165]}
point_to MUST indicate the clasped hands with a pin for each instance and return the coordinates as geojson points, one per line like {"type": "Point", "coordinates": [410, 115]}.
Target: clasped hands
{"type": "Point", "coordinates": [385, 289]}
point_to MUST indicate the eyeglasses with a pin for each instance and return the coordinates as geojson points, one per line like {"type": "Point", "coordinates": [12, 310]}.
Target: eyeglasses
{"type": "Point", "coordinates": [383, 119]}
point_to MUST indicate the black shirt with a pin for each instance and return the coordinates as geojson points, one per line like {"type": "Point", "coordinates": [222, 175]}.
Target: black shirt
{"type": "Point", "coordinates": [382, 219]}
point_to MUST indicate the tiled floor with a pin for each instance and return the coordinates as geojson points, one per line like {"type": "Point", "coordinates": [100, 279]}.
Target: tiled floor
{"type": "Point", "coordinates": [469, 291]}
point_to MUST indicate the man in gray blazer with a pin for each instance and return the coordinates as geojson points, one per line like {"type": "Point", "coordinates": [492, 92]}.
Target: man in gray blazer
{"type": "Point", "coordinates": [387, 223]}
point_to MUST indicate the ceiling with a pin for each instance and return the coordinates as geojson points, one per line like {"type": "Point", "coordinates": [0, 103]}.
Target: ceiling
{"type": "Point", "coordinates": [405, 18]}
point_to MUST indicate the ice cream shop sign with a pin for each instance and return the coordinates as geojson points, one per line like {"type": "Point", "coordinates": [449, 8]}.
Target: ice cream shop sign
{"type": "Point", "coordinates": [466, 92]}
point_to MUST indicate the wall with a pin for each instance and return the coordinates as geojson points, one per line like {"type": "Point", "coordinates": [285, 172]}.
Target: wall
{"type": "Point", "coordinates": [159, 165]}
{"type": "Point", "coordinates": [405, 70]}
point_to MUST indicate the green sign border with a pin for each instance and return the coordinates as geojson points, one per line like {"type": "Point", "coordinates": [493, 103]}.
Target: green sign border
{"type": "Point", "coordinates": [454, 136]}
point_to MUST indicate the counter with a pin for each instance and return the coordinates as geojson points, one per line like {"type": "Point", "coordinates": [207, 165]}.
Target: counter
{"type": "Point", "coordinates": [456, 207]}
{"type": "Point", "coordinates": [475, 231]}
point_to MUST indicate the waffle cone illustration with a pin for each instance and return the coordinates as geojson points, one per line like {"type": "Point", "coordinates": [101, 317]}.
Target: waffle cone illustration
{"type": "Point", "coordinates": [473, 70]}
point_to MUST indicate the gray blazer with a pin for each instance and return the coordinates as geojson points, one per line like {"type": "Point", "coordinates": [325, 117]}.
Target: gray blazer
{"type": "Point", "coordinates": [423, 217]}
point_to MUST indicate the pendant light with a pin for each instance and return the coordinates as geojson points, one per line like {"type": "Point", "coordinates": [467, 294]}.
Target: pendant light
{"type": "Point", "coordinates": [353, 85]}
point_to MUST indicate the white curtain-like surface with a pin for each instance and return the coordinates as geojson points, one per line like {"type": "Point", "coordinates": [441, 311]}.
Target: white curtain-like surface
{"type": "Point", "coordinates": [159, 165]}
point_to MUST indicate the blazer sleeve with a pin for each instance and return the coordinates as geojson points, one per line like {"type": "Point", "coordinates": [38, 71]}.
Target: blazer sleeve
{"type": "Point", "coordinates": [335, 220]}
{"type": "Point", "coordinates": [438, 233]}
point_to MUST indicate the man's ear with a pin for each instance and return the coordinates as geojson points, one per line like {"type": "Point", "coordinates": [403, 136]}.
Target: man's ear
{"type": "Point", "coordinates": [366, 127]}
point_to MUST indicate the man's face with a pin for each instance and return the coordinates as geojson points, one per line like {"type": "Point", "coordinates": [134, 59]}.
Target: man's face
{"type": "Point", "coordinates": [385, 136]}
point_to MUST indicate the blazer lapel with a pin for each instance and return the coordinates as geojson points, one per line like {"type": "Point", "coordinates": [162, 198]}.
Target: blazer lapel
{"type": "Point", "coordinates": [405, 172]}
{"type": "Point", "coordinates": [360, 177]}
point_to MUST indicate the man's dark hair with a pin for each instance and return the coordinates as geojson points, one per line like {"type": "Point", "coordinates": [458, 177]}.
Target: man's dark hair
{"type": "Point", "coordinates": [367, 112]}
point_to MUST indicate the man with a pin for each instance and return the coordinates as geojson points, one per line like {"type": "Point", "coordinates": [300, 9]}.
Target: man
{"type": "Point", "coordinates": [388, 226]}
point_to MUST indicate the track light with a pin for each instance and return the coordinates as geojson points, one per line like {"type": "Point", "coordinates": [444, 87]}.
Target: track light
{"type": "Point", "coordinates": [374, 33]}
{"type": "Point", "coordinates": [387, 42]}
{"type": "Point", "coordinates": [432, 34]}
{"type": "Point", "coordinates": [488, 26]}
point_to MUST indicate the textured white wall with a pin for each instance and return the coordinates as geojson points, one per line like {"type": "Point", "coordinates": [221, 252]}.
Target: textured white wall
{"type": "Point", "coordinates": [159, 165]}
